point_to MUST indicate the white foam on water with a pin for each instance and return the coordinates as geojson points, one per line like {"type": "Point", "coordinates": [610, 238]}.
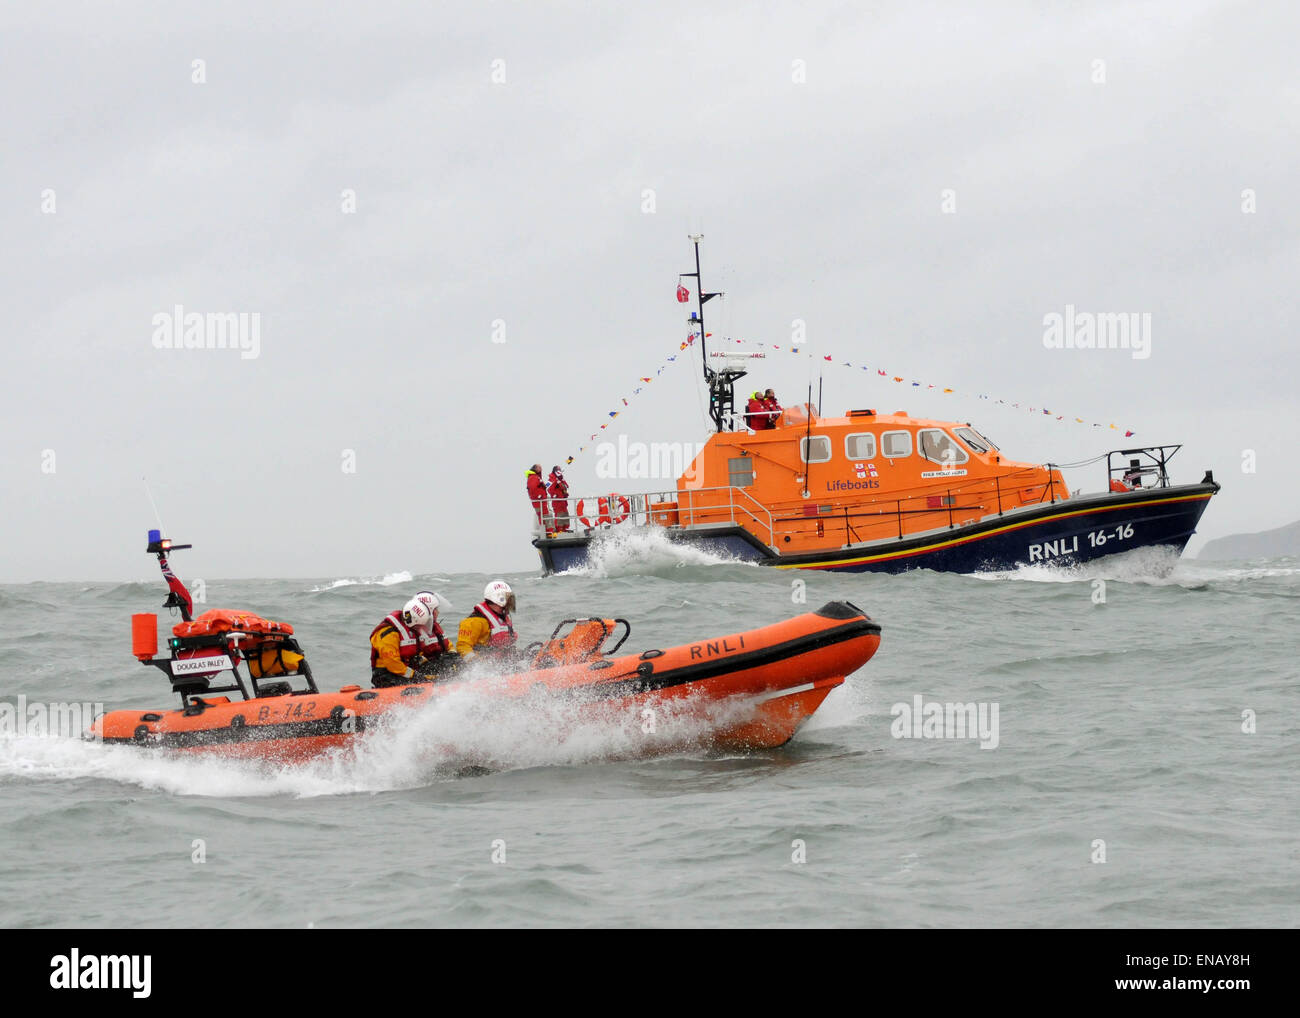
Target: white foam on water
{"type": "Point", "coordinates": [465, 728]}
{"type": "Point", "coordinates": [387, 580]}
{"type": "Point", "coordinates": [631, 551]}
{"type": "Point", "coordinates": [846, 705]}
{"type": "Point", "coordinates": [37, 758]}
{"type": "Point", "coordinates": [1156, 564]}
{"type": "Point", "coordinates": [1224, 572]}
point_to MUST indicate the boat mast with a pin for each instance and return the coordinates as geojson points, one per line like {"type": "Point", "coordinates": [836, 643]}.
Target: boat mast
{"type": "Point", "coordinates": [721, 383]}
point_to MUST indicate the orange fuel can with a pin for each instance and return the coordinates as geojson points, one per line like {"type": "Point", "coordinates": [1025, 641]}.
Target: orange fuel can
{"type": "Point", "coordinates": [144, 635]}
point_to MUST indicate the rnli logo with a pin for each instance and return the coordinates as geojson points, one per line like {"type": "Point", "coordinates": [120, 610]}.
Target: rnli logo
{"type": "Point", "coordinates": [716, 648]}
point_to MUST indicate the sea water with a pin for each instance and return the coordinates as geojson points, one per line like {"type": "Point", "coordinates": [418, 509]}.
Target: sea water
{"type": "Point", "coordinates": [1143, 770]}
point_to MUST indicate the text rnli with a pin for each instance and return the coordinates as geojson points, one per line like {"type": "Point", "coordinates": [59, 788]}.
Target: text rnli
{"type": "Point", "coordinates": [716, 648]}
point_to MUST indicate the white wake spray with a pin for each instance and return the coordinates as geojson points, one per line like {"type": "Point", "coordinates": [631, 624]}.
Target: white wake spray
{"type": "Point", "coordinates": [467, 730]}
{"type": "Point", "coordinates": [636, 551]}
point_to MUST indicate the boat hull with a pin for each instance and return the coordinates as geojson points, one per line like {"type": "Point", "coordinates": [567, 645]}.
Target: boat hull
{"type": "Point", "coordinates": [1068, 532]}
{"type": "Point", "coordinates": [744, 691]}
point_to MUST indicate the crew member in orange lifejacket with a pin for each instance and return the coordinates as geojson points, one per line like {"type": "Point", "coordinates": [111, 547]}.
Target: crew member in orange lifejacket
{"type": "Point", "coordinates": [488, 629]}
{"type": "Point", "coordinates": [773, 408]}
{"type": "Point", "coordinates": [537, 495]}
{"type": "Point", "coordinates": [558, 490]}
{"type": "Point", "coordinates": [756, 413]}
{"type": "Point", "coordinates": [409, 645]}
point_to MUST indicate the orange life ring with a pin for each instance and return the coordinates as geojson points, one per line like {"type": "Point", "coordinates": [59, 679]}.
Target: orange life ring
{"type": "Point", "coordinates": [603, 516]}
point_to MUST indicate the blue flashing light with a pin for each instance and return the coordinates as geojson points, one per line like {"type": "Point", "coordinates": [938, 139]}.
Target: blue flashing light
{"type": "Point", "coordinates": [155, 536]}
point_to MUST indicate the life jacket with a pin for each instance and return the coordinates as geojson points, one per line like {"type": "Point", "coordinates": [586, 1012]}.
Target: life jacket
{"type": "Point", "coordinates": [501, 631]}
{"type": "Point", "coordinates": [408, 641]}
{"type": "Point", "coordinates": [273, 659]}
{"type": "Point", "coordinates": [754, 416]}
{"type": "Point", "coordinates": [224, 620]}
{"type": "Point", "coordinates": [434, 641]}
{"type": "Point", "coordinates": [558, 488]}
{"type": "Point", "coordinates": [536, 486]}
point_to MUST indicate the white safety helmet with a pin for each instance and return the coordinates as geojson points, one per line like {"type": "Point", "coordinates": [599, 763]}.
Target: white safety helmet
{"type": "Point", "coordinates": [417, 614]}
{"type": "Point", "coordinates": [498, 592]}
{"type": "Point", "coordinates": [436, 602]}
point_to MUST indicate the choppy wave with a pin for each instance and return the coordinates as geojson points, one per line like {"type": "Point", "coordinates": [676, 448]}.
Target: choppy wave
{"type": "Point", "coordinates": [1151, 564]}
{"type": "Point", "coordinates": [387, 580]}
{"type": "Point", "coordinates": [1111, 713]}
{"type": "Point", "coordinates": [633, 551]}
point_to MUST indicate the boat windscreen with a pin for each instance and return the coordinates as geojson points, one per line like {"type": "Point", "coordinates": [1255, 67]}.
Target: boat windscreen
{"type": "Point", "coordinates": [974, 439]}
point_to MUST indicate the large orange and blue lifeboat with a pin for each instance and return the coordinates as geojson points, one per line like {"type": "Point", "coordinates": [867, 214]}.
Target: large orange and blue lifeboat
{"type": "Point", "coordinates": [796, 489]}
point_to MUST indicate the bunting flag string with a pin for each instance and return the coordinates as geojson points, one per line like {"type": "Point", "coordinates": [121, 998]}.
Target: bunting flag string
{"type": "Point", "coordinates": [636, 391]}
{"type": "Point", "coordinates": [927, 386]}
{"type": "Point", "coordinates": [797, 350]}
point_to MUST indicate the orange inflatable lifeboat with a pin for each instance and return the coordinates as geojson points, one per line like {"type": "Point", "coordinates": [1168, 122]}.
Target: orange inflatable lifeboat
{"type": "Point", "coordinates": [749, 690]}
{"type": "Point", "coordinates": [759, 686]}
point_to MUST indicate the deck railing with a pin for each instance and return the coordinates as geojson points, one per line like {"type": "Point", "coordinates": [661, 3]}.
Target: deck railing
{"type": "Point", "coordinates": [864, 520]}
{"type": "Point", "coordinates": [688, 507]}
{"type": "Point", "coordinates": [936, 506]}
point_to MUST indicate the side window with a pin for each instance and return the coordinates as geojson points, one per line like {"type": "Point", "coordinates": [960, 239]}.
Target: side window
{"type": "Point", "coordinates": [740, 471]}
{"type": "Point", "coordinates": [815, 449]}
{"type": "Point", "coordinates": [896, 445]}
{"type": "Point", "coordinates": [861, 446]}
{"type": "Point", "coordinates": [938, 446]}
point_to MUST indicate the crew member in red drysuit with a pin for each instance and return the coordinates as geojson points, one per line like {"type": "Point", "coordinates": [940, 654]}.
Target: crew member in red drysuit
{"type": "Point", "coordinates": [773, 408]}
{"type": "Point", "coordinates": [558, 490]}
{"type": "Point", "coordinates": [537, 495]}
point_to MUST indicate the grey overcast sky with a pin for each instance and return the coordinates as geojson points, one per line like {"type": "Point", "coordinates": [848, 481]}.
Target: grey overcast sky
{"type": "Point", "coordinates": [1116, 186]}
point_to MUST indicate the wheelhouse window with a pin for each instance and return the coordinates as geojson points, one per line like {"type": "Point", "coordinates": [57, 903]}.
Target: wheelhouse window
{"type": "Point", "coordinates": [896, 445]}
{"type": "Point", "coordinates": [814, 448]}
{"type": "Point", "coordinates": [938, 446]}
{"type": "Point", "coordinates": [740, 471]}
{"type": "Point", "coordinates": [861, 446]}
{"type": "Point", "coordinates": [975, 440]}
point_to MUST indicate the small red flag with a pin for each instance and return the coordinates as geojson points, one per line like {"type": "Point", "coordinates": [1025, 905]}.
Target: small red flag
{"type": "Point", "coordinates": [683, 294]}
